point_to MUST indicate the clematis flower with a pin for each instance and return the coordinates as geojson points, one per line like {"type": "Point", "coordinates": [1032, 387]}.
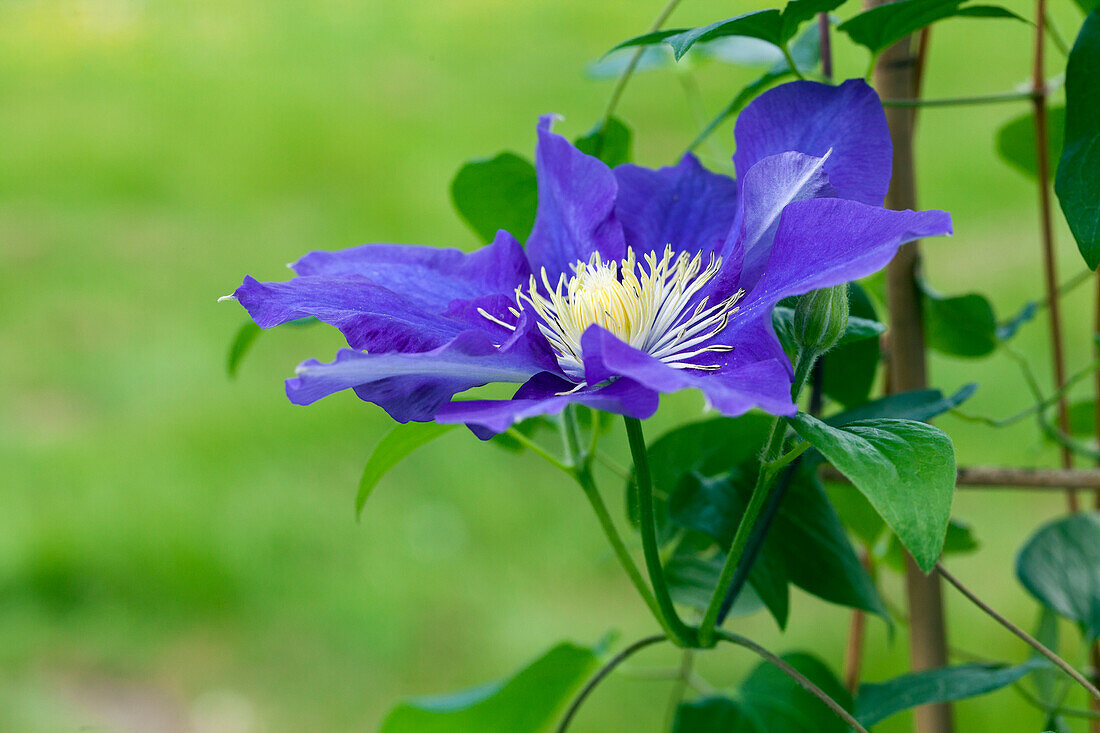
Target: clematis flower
{"type": "Point", "coordinates": [634, 282]}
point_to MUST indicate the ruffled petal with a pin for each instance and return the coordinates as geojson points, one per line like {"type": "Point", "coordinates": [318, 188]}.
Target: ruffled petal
{"type": "Point", "coordinates": [414, 386]}
{"type": "Point", "coordinates": [576, 207]}
{"type": "Point", "coordinates": [825, 242]}
{"type": "Point", "coordinates": [370, 316]}
{"type": "Point", "coordinates": [736, 388]}
{"type": "Point", "coordinates": [395, 297]}
{"type": "Point", "coordinates": [685, 205]}
{"type": "Point", "coordinates": [542, 395]}
{"type": "Point", "coordinates": [812, 118]}
{"type": "Point", "coordinates": [432, 276]}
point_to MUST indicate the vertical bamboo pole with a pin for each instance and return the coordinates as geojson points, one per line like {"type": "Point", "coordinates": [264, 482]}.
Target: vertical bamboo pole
{"type": "Point", "coordinates": [1046, 228]}
{"type": "Point", "coordinates": [895, 76]}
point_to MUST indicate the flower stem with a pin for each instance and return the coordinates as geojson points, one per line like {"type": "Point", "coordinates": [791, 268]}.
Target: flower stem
{"type": "Point", "coordinates": [581, 472]}
{"type": "Point", "coordinates": [741, 537]}
{"type": "Point", "coordinates": [790, 61]}
{"type": "Point", "coordinates": [539, 450]}
{"type": "Point", "coordinates": [961, 101]}
{"type": "Point", "coordinates": [679, 632]}
{"type": "Point", "coordinates": [770, 464]}
{"type": "Point", "coordinates": [603, 672]}
{"type": "Point", "coordinates": [1030, 640]}
{"type": "Point", "coordinates": [795, 675]}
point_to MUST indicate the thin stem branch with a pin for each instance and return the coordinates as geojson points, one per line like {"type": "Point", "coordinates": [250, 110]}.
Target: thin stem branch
{"type": "Point", "coordinates": [1014, 96]}
{"type": "Point", "coordinates": [582, 474]}
{"type": "Point", "coordinates": [683, 681]}
{"type": "Point", "coordinates": [539, 451]}
{"type": "Point", "coordinates": [601, 674]}
{"type": "Point", "coordinates": [756, 543]}
{"type": "Point", "coordinates": [795, 675]}
{"type": "Point", "coordinates": [620, 85]}
{"type": "Point", "coordinates": [1027, 638]}
{"type": "Point", "coordinates": [790, 61]}
{"type": "Point", "coordinates": [759, 496]}
{"type": "Point", "coordinates": [679, 632]}
{"type": "Point", "coordinates": [1040, 406]}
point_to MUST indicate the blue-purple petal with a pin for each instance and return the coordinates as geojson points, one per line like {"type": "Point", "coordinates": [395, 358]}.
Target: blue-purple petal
{"type": "Point", "coordinates": [414, 386]}
{"type": "Point", "coordinates": [812, 118]}
{"type": "Point", "coordinates": [370, 316]}
{"type": "Point", "coordinates": [575, 214]}
{"type": "Point", "coordinates": [766, 189]}
{"type": "Point", "coordinates": [542, 395]}
{"type": "Point", "coordinates": [825, 242]}
{"type": "Point", "coordinates": [684, 205]}
{"type": "Point", "coordinates": [734, 390]}
{"type": "Point", "coordinates": [432, 276]}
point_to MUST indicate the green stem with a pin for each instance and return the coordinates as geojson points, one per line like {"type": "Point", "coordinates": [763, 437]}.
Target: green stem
{"type": "Point", "coordinates": [790, 61]}
{"type": "Point", "coordinates": [1014, 96]}
{"type": "Point", "coordinates": [744, 529]}
{"type": "Point", "coordinates": [581, 472]}
{"type": "Point", "coordinates": [683, 681]}
{"type": "Point", "coordinates": [620, 85]}
{"type": "Point", "coordinates": [539, 451]}
{"type": "Point", "coordinates": [768, 469]}
{"type": "Point", "coordinates": [680, 633]}
{"type": "Point", "coordinates": [799, 678]}
{"type": "Point", "coordinates": [608, 526]}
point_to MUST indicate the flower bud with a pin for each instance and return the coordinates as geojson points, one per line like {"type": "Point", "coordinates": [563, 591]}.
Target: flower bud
{"type": "Point", "coordinates": [821, 318]}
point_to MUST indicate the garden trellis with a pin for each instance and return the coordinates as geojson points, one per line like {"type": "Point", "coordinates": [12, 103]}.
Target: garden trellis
{"type": "Point", "coordinates": [604, 284]}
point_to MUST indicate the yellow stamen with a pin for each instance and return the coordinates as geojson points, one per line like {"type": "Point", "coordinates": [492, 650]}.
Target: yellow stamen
{"type": "Point", "coordinates": [644, 304]}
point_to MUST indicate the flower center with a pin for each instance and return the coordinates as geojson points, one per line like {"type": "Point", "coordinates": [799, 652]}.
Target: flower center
{"type": "Point", "coordinates": [646, 304]}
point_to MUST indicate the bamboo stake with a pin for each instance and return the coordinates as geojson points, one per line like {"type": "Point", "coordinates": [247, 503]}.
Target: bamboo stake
{"type": "Point", "coordinates": [1000, 477]}
{"type": "Point", "coordinates": [895, 77]}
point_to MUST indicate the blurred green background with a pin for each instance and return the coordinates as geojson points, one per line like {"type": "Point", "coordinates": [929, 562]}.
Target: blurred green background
{"type": "Point", "coordinates": [178, 551]}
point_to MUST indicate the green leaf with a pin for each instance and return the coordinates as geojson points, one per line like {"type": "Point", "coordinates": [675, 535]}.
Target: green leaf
{"type": "Point", "coordinates": [806, 544]}
{"type": "Point", "coordinates": [1016, 141]}
{"type": "Point", "coordinates": [798, 12]}
{"type": "Point", "coordinates": [849, 369]}
{"type": "Point", "coordinates": [391, 450]}
{"type": "Point", "coordinates": [920, 404]}
{"type": "Point", "coordinates": [497, 193]}
{"type": "Point", "coordinates": [1077, 182]}
{"type": "Point", "coordinates": [1087, 6]}
{"type": "Point", "coordinates": [788, 708]}
{"type": "Point", "coordinates": [768, 701]}
{"type": "Point", "coordinates": [612, 65]}
{"type": "Point", "coordinates": [959, 325]}
{"type": "Point", "coordinates": [906, 469]}
{"type": "Point", "coordinates": [767, 25]}
{"type": "Point", "coordinates": [241, 343]}
{"type": "Point", "coordinates": [692, 575]}
{"type": "Point", "coordinates": [524, 703]}
{"type": "Point", "coordinates": [1082, 418]}
{"type": "Point", "coordinates": [960, 540]}
{"type": "Point", "coordinates": [609, 141]}
{"type": "Point", "coordinates": [715, 715]}
{"type": "Point", "coordinates": [713, 506]}
{"type": "Point", "coordinates": [1008, 329]}
{"type": "Point", "coordinates": [877, 701]}
{"type": "Point", "coordinates": [990, 11]}
{"type": "Point", "coordinates": [1060, 566]}
{"type": "Point", "coordinates": [879, 28]}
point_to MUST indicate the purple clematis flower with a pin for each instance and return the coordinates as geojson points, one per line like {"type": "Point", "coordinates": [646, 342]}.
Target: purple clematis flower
{"type": "Point", "coordinates": [634, 282]}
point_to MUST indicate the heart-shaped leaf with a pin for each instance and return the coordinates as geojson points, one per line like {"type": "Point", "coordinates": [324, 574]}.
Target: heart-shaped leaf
{"type": "Point", "coordinates": [1077, 182]}
{"type": "Point", "coordinates": [1060, 566]}
{"type": "Point", "coordinates": [497, 193]}
{"type": "Point", "coordinates": [906, 469]}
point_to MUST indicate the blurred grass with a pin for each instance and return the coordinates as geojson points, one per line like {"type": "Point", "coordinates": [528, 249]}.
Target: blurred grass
{"type": "Point", "coordinates": [178, 551]}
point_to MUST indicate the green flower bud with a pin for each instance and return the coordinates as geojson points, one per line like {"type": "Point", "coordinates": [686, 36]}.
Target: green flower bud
{"type": "Point", "coordinates": [821, 318]}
